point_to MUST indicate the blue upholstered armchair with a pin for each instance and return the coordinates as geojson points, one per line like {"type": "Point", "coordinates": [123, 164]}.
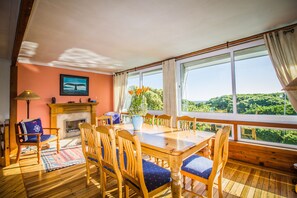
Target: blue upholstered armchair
{"type": "Point", "coordinates": [31, 133]}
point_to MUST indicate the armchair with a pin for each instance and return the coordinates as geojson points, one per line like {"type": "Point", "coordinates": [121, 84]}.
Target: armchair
{"type": "Point", "coordinates": [30, 133]}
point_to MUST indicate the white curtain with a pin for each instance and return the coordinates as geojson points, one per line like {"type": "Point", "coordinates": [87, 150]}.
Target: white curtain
{"type": "Point", "coordinates": [282, 48]}
{"type": "Point", "coordinates": [169, 89]}
{"type": "Point", "coordinates": [119, 91]}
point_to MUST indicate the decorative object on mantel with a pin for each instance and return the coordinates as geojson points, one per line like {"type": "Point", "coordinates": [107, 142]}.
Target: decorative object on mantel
{"type": "Point", "coordinates": [90, 100]}
{"type": "Point", "coordinates": [28, 95]}
{"type": "Point", "coordinates": [291, 86]}
{"type": "Point", "coordinates": [138, 106]}
{"type": "Point", "coordinates": [74, 85]}
{"type": "Point", "coordinates": [53, 100]}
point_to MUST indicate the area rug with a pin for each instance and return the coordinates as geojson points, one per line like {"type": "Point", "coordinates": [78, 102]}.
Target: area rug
{"type": "Point", "coordinates": [67, 157]}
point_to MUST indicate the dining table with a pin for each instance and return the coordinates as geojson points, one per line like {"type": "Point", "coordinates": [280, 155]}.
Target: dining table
{"type": "Point", "coordinates": [171, 145]}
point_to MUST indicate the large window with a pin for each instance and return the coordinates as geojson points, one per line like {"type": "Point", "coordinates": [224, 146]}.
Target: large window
{"type": "Point", "coordinates": [238, 83]}
{"type": "Point", "coordinates": [152, 79]}
{"type": "Point", "coordinates": [207, 85]}
{"type": "Point", "coordinates": [258, 90]}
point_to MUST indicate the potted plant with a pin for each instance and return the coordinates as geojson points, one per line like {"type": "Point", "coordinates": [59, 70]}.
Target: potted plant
{"type": "Point", "coordinates": [138, 106]}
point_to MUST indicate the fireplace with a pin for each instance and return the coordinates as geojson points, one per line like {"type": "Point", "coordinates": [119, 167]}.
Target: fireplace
{"type": "Point", "coordinates": [71, 127]}
{"type": "Point", "coordinates": [67, 116]}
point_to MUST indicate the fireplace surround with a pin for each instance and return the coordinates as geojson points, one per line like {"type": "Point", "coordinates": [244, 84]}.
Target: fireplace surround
{"type": "Point", "coordinates": [60, 113]}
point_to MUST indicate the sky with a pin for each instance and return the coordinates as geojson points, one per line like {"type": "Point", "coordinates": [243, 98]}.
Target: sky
{"type": "Point", "coordinates": [254, 75]}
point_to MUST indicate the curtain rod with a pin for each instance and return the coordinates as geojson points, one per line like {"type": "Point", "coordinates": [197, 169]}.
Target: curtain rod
{"type": "Point", "coordinates": [213, 48]}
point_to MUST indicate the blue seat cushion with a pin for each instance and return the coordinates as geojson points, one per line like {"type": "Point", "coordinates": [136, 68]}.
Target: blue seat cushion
{"type": "Point", "coordinates": [42, 138]}
{"type": "Point", "coordinates": [31, 126]}
{"type": "Point", "coordinates": [115, 117]}
{"type": "Point", "coordinates": [198, 165]}
{"type": "Point", "coordinates": [154, 175]}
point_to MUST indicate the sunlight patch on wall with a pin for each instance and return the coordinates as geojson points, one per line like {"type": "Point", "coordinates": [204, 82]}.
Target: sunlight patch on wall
{"type": "Point", "coordinates": [27, 51]}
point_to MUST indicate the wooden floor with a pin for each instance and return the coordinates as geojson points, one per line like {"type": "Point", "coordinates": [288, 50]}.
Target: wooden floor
{"type": "Point", "coordinates": [28, 179]}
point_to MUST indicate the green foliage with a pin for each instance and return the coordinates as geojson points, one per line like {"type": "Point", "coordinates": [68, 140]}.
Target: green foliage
{"type": "Point", "coordinates": [154, 99]}
{"type": "Point", "coordinates": [138, 104]}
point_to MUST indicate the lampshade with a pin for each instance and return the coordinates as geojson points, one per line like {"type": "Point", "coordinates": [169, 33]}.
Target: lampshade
{"type": "Point", "coordinates": [27, 95]}
{"type": "Point", "coordinates": [291, 86]}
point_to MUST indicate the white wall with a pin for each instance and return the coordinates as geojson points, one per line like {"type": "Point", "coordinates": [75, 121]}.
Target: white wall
{"type": "Point", "coordinates": [4, 88]}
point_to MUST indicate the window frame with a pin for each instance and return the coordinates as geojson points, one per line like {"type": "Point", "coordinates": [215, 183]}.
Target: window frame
{"type": "Point", "coordinates": [140, 73]}
{"type": "Point", "coordinates": [286, 119]}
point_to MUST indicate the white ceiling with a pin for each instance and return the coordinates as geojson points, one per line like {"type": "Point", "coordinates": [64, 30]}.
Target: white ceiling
{"type": "Point", "coordinates": [113, 35]}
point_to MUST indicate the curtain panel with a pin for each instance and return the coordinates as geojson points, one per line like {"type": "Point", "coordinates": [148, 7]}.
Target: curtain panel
{"type": "Point", "coordinates": [120, 82]}
{"type": "Point", "coordinates": [169, 89]}
{"type": "Point", "coordinates": [282, 48]}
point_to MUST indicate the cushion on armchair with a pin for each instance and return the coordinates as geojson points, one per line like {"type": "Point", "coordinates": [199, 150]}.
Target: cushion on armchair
{"type": "Point", "coordinates": [31, 126]}
{"type": "Point", "coordinates": [116, 117]}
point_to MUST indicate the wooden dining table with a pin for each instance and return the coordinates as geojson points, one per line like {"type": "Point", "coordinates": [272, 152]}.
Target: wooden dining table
{"type": "Point", "coordinates": [171, 145]}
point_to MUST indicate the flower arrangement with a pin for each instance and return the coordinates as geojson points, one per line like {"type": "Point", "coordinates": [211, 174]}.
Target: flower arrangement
{"type": "Point", "coordinates": [138, 102]}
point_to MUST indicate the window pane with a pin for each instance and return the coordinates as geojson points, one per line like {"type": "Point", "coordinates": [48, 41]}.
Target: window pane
{"type": "Point", "coordinates": [133, 80]}
{"type": "Point", "coordinates": [211, 127]}
{"type": "Point", "coordinates": [207, 85]}
{"type": "Point", "coordinates": [257, 86]}
{"type": "Point", "coordinates": [281, 137]}
{"type": "Point", "coordinates": [154, 80]}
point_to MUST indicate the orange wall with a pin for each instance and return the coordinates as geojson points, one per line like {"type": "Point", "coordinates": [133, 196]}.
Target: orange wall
{"type": "Point", "coordinates": [45, 81]}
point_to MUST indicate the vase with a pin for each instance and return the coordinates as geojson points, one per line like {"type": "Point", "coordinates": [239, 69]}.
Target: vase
{"type": "Point", "coordinates": [137, 121]}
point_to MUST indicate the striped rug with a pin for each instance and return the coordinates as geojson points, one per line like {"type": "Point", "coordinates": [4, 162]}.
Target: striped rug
{"type": "Point", "coordinates": [67, 157]}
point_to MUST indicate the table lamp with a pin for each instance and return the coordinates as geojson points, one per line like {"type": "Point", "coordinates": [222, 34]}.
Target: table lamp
{"type": "Point", "coordinates": [27, 95]}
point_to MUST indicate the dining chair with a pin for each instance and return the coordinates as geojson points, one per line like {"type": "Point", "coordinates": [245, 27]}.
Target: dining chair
{"type": "Point", "coordinates": [104, 120]}
{"type": "Point", "coordinates": [90, 147]}
{"type": "Point", "coordinates": [149, 119]}
{"type": "Point", "coordinates": [186, 123]}
{"type": "Point", "coordinates": [205, 170]}
{"type": "Point", "coordinates": [145, 178]}
{"type": "Point", "coordinates": [164, 120]}
{"type": "Point", "coordinates": [31, 133]}
{"type": "Point", "coordinates": [109, 158]}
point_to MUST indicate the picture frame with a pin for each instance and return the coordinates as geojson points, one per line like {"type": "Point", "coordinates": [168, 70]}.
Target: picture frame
{"type": "Point", "coordinates": [74, 85]}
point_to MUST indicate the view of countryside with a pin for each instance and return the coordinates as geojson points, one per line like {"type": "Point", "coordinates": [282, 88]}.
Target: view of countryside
{"type": "Point", "coordinates": [267, 104]}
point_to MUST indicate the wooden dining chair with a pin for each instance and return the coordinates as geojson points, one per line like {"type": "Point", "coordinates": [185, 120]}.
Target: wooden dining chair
{"type": "Point", "coordinates": [164, 120]}
{"type": "Point", "coordinates": [31, 133]}
{"type": "Point", "coordinates": [186, 123]}
{"type": "Point", "coordinates": [149, 119]}
{"type": "Point", "coordinates": [104, 120]}
{"type": "Point", "coordinates": [90, 147]}
{"type": "Point", "coordinates": [205, 170]}
{"type": "Point", "coordinates": [109, 158]}
{"type": "Point", "coordinates": [145, 178]}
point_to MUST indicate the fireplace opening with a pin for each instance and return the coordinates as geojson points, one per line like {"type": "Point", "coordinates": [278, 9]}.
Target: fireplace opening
{"type": "Point", "coordinates": [72, 128]}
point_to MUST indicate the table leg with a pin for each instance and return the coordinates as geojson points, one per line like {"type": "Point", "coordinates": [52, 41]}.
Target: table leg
{"type": "Point", "coordinates": [176, 184]}
{"type": "Point", "coordinates": [207, 150]}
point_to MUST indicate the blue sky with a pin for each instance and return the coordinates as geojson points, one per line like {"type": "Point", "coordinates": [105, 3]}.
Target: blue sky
{"type": "Point", "coordinates": [254, 75]}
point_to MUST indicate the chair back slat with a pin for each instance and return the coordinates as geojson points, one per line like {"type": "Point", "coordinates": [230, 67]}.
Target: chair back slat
{"type": "Point", "coordinates": [132, 170]}
{"type": "Point", "coordinates": [104, 120]}
{"type": "Point", "coordinates": [164, 120]}
{"type": "Point", "coordinates": [149, 119]}
{"type": "Point", "coordinates": [186, 123]}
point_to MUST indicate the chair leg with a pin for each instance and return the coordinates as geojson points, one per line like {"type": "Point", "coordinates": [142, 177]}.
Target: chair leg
{"type": "Point", "coordinates": [19, 153]}
{"type": "Point", "coordinates": [38, 153]}
{"type": "Point", "coordinates": [184, 181]}
{"type": "Point", "coordinates": [104, 184]}
{"type": "Point", "coordinates": [192, 184]}
{"type": "Point", "coordinates": [58, 146]}
{"type": "Point", "coordinates": [120, 189]}
{"type": "Point", "coordinates": [210, 190]}
{"type": "Point", "coordinates": [88, 172]}
{"type": "Point", "coordinates": [220, 186]}
{"type": "Point", "coordinates": [126, 191]}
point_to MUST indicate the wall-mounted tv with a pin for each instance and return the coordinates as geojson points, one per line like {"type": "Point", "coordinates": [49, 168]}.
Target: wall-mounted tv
{"type": "Point", "coordinates": [74, 85]}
